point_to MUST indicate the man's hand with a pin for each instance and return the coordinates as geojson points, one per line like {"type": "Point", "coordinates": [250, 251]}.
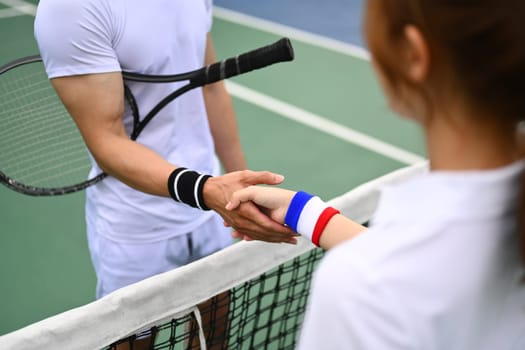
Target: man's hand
{"type": "Point", "coordinates": [247, 219]}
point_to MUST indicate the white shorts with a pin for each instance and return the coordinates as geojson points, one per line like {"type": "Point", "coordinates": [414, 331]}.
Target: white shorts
{"type": "Point", "coordinates": [120, 264]}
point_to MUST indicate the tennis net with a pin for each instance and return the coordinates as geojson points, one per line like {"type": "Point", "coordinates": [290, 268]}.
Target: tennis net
{"type": "Point", "coordinates": [251, 295]}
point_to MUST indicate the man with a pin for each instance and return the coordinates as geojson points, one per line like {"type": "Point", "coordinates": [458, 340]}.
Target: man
{"type": "Point", "coordinates": [134, 231]}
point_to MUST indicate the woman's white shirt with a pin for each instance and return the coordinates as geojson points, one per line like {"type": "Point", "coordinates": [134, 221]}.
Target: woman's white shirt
{"type": "Point", "coordinates": [438, 269]}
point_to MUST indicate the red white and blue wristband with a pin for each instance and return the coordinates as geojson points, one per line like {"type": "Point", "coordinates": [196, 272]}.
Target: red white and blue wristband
{"type": "Point", "coordinates": [308, 215]}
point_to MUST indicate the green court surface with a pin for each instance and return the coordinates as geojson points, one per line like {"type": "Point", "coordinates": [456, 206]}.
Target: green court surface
{"type": "Point", "coordinates": [44, 261]}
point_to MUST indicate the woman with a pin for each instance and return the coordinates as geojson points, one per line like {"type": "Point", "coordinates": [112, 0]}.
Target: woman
{"type": "Point", "coordinates": [440, 266]}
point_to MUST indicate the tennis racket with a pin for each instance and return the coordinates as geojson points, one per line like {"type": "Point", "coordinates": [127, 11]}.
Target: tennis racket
{"type": "Point", "coordinates": [41, 150]}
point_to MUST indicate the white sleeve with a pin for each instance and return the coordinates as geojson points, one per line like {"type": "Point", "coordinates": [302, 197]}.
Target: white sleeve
{"type": "Point", "coordinates": [347, 310]}
{"type": "Point", "coordinates": [76, 37]}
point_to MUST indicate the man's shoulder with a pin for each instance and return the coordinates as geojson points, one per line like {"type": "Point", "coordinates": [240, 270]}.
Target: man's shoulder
{"type": "Point", "coordinates": [71, 7]}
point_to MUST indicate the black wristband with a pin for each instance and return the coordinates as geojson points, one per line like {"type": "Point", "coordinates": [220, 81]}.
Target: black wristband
{"type": "Point", "coordinates": [186, 186]}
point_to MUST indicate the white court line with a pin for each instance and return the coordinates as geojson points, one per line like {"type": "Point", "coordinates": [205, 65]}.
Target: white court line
{"type": "Point", "coordinates": [9, 12]}
{"type": "Point", "coordinates": [292, 33]}
{"type": "Point", "coordinates": [322, 124]}
{"type": "Point", "coordinates": [288, 110]}
{"type": "Point", "coordinates": [297, 114]}
{"type": "Point", "coordinates": [20, 6]}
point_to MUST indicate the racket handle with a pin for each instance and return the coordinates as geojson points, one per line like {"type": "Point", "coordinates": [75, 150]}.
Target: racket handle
{"type": "Point", "coordinates": [280, 51]}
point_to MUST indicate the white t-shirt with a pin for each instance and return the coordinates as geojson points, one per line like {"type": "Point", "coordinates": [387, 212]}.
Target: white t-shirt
{"type": "Point", "coordinates": [439, 269]}
{"type": "Point", "coordinates": [161, 37]}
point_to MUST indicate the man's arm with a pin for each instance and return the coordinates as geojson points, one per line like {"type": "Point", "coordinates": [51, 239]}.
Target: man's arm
{"type": "Point", "coordinates": [221, 117]}
{"type": "Point", "coordinates": [96, 103]}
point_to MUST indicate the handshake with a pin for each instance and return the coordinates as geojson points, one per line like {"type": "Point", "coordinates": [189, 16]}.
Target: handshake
{"type": "Point", "coordinates": [263, 213]}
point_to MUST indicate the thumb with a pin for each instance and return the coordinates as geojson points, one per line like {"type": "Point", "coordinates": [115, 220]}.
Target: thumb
{"type": "Point", "coordinates": [239, 197]}
{"type": "Point", "coordinates": [265, 178]}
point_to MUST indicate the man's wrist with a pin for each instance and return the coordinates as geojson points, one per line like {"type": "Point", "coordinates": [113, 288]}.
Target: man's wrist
{"type": "Point", "coordinates": [186, 186]}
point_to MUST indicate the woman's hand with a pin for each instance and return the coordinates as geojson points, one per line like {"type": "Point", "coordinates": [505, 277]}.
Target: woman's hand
{"type": "Point", "coordinates": [272, 201]}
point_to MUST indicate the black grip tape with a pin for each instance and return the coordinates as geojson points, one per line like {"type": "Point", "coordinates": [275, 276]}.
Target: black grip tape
{"type": "Point", "coordinates": [280, 51]}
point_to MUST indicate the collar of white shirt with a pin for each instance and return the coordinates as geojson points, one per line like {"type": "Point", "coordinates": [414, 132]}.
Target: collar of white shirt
{"type": "Point", "coordinates": [465, 194]}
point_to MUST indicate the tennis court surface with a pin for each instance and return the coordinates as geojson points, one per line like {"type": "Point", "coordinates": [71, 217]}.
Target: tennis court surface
{"type": "Point", "coordinates": [320, 120]}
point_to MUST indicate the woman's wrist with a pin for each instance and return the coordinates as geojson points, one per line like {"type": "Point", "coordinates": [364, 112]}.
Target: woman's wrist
{"type": "Point", "coordinates": [308, 215]}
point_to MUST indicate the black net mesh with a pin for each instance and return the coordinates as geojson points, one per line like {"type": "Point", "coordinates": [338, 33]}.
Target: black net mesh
{"type": "Point", "coordinates": [263, 313]}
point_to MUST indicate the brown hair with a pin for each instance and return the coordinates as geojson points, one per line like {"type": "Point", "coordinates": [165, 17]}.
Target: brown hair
{"type": "Point", "coordinates": [479, 45]}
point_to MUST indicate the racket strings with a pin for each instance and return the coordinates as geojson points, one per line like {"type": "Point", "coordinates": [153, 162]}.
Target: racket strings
{"type": "Point", "coordinates": [39, 142]}
{"type": "Point", "coordinates": [17, 127]}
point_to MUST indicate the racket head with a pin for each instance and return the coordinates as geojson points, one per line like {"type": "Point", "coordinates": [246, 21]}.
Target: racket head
{"type": "Point", "coordinates": [42, 151]}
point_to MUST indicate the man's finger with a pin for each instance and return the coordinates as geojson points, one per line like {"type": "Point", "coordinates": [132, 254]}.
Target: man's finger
{"type": "Point", "coordinates": [249, 220]}
{"type": "Point", "coordinates": [250, 210]}
{"type": "Point", "coordinates": [264, 177]}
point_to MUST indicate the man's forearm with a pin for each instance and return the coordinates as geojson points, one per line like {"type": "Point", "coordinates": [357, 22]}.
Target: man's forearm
{"type": "Point", "coordinates": [134, 164]}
